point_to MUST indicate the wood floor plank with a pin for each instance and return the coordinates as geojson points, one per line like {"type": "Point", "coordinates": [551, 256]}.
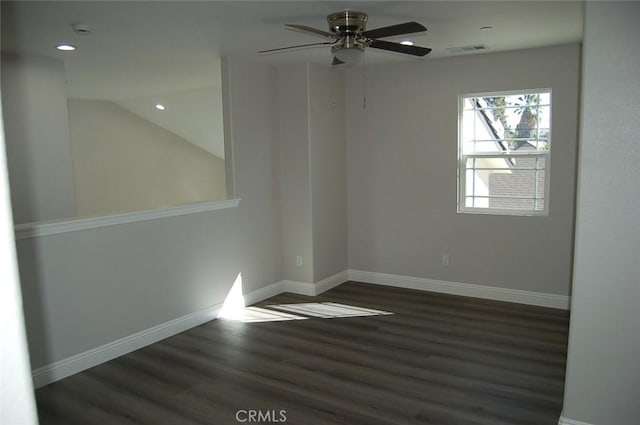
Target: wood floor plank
{"type": "Point", "coordinates": [436, 359]}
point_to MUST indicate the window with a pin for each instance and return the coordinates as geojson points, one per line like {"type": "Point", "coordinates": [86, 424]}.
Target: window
{"type": "Point", "coordinates": [504, 150]}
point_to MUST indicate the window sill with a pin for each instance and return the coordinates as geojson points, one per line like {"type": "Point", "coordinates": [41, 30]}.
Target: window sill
{"type": "Point", "coordinates": [495, 211]}
{"type": "Point", "coordinates": [39, 229]}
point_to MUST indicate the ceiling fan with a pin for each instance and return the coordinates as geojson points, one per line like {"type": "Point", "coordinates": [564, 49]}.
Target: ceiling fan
{"type": "Point", "coordinates": [348, 37]}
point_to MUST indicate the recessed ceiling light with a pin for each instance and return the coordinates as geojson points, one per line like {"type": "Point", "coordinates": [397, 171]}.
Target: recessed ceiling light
{"type": "Point", "coordinates": [66, 47]}
{"type": "Point", "coordinates": [407, 42]}
{"type": "Point", "coordinates": [160, 107]}
{"type": "Point", "coordinates": [486, 28]}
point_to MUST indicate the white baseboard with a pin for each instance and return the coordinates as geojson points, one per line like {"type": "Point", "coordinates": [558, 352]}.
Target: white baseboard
{"type": "Point", "coordinates": [300, 288]}
{"type": "Point", "coordinates": [567, 421]}
{"type": "Point", "coordinates": [263, 293]}
{"type": "Point", "coordinates": [465, 289]}
{"type": "Point", "coordinates": [331, 282]}
{"type": "Point", "coordinates": [312, 289]}
{"type": "Point", "coordinates": [95, 356]}
{"type": "Point", "coordinates": [90, 358]}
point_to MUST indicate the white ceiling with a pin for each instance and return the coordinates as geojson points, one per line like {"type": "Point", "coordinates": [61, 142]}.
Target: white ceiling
{"type": "Point", "coordinates": [165, 46]}
{"type": "Point", "coordinates": [138, 51]}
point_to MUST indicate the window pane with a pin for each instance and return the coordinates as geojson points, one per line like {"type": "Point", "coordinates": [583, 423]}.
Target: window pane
{"type": "Point", "coordinates": [469, 186]}
{"type": "Point", "coordinates": [511, 203]}
{"type": "Point", "coordinates": [513, 182]}
{"type": "Point", "coordinates": [468, 202]}
{"type": "Point", "coordinates": [545, 98]}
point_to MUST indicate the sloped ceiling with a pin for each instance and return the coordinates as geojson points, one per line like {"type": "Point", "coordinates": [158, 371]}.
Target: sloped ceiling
{"type": "Point", "coordinates": [193, 114]}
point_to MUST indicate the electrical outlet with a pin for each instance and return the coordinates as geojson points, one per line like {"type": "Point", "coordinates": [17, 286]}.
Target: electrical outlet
{"type": "Point", "coordinates": [299, 261]}
{"type": "Point", "coordinates": [445, 260]}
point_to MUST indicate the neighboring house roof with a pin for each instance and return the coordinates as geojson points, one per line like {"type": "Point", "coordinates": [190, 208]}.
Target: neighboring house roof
{"type": "Point", "coordinates": [489, 123]}
{"type": "Point", "coordinates": [525, 146]}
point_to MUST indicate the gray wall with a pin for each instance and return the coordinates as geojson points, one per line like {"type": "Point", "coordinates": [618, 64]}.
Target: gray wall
{"type": "Point", "coordinates": [37, 137]}
{"type": "Point", "coordinates": [87, 288]}
{"type": "Point", "coordinates": [312, 129]}
{"type": "Point", "coordinates": [297, 232]}
{"type": "Point", "coordinates": [328, 171]}
{"type": "Point", "coordinates": [256, 162]}
{"type": "Point", "coordinates": [603, 371]}
{"type": "Point", "coordinates": [402, 153]}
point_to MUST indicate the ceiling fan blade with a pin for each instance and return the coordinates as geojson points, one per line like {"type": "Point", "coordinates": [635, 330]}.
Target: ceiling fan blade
{"type": "Point", "coordinates": [310, 29]}
{"type": "Point", "coordinates": [400, 48]}
{"type": "Point", "coordinates": [336, 61]}
{"type": "Point", "coordinates": [297, 46]}
{"type": "Point", "coordinates": [406, 28]}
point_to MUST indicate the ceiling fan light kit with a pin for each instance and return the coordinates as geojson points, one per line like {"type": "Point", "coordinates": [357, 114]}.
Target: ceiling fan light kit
{"type": "Point", "coordinates": [349, 38]}
{"type": "Point", "coordinates": [351, 55]}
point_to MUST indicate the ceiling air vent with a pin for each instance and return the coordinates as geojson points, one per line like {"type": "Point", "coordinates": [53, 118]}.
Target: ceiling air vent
{"type": "Point", "coordinates": [466, 49]}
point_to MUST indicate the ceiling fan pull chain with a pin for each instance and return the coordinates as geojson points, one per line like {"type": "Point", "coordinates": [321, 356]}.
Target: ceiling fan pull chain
{"type": "Point", "coordinates": [364, 84]}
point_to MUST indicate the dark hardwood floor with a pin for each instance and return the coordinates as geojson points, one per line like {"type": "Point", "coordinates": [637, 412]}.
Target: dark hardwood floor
{"type": "Point", "coordinates": [438, 359]}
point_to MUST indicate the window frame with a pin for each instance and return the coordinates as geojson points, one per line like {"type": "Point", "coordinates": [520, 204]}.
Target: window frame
{"type": "Point", "coordinates": [462, 158]}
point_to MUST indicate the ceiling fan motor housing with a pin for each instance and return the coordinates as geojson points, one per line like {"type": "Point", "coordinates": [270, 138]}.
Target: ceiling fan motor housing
{"type": "Point", "coordinates": [349, 25]}
{"type": "Point", "coordinates": [347, 22]}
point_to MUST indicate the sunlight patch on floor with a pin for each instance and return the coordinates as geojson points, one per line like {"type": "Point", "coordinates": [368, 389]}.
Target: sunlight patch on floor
{"type": "Point", "coordinates": [261, 314]}
{"type": "Point", "coordinates": [234, 309]}
{"type": "Point", "coordinates": [301, 311]}
{"type": "Point", "coordinates": [329, 310]}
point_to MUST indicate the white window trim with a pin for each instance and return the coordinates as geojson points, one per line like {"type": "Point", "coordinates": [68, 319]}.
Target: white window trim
{"type": "Point", "coordinates": [461, 181]}
{"type": "Point", "coordinates": [39, 229]}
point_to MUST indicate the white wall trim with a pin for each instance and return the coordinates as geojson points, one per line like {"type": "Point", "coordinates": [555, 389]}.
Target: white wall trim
{"type": "Point", "coordinates": [312, 289]}
{"type": "Point", "coordinates": [300, 288]}
{"type": "Point", "coordinates": [331, 282]}
{"type": "Point", "coordinates": [263, 293]}
{"type": "Point", "coordinates": [35, 230]}
{"type": "Point", "coordinates": [95, 356]}
{"type": "Point", "coordinates": [566, 421]}
{"type": "Point", "coordinates": [465, 289]}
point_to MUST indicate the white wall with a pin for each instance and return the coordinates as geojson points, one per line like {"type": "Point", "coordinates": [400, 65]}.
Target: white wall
{"type": "Point", "coordinates": [122, 162]}
{"type": "Point", "coordinates": [328, 171]}
{"type": "Point", "coordinates": [87, 288]}
{"type": "Point", "coordinates": [603, 371]}
{"type": "Point", "coordinates": [402, 153]}
{"type": "Point", "coordinates": [37, 137]}
{"type": "Point", "coordinates": [17, 404]}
